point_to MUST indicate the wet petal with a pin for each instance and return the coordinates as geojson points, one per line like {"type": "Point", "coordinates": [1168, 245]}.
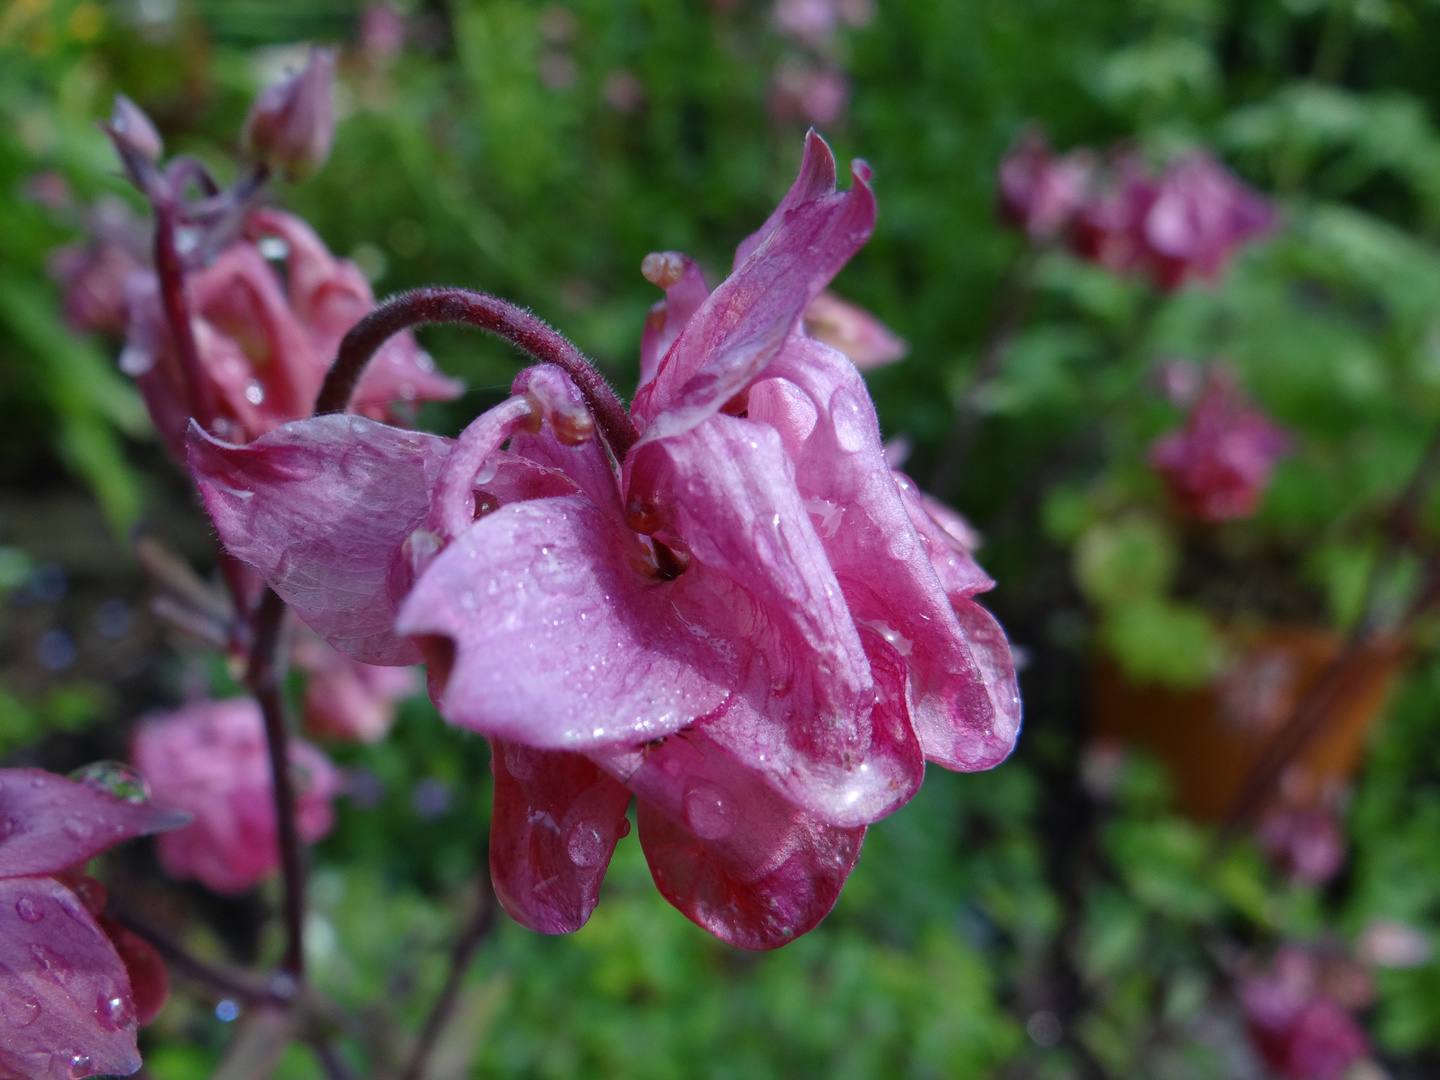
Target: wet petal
{"type": "Point", "coordinates": [66, 1009]}
{"type": "Point", "coordinates": [745, 321]}
{"type": "Point", "coordinates": [558, 640]}
{"type": "Point", "coordinates": [48, 823]}
{"type": "Point", "coordinates": [966, 700]}
{"type": "Point", "coordinates": [731, 853]}
{"type": "Point", "coordinates": [668, 317]}
{"type": "Point", "coordinates": [555, 824]}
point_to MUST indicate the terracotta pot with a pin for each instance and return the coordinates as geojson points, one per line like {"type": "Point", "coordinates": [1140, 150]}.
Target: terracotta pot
{"type": "Point", "coordinates": [1212, 738]}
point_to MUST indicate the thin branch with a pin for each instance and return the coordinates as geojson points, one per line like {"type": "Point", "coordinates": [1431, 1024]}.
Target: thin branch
{"type": "Point", "coordinates": [262, 677]}
{"type": "Point", "coordinates": [226, 983]}
{"type": "Point", "coordinates": [499, 317]}
{"type": "Point", "coordinates": [481, 923]}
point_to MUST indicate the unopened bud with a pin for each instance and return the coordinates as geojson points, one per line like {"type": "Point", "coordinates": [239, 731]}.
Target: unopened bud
{"type": "Point", "coordinates": [663, 268]}
{"type": "Point", "coordinates": [129, 122]}
{"type": "Point", "coordinates": [291, 126]}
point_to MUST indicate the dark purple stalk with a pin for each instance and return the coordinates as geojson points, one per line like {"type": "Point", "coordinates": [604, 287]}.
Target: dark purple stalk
{"type": "Point", "coordinates": [499, 317]}
{"type": "Point", "coordinates": [262, 678]}
{"type": "Point", "coordinates": [170, 271]}
{"type": "Point", "coordinates": [461, 956]}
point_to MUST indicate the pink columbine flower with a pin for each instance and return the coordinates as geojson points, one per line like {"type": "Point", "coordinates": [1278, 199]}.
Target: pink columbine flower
{"type": "Point", "coordinates": [265, 342]}
{"type": "Point", "coordinates": [344, 698]}
{"type": "Point", "coordinates": [95, 274]}
{"type": "Point", "coordinates": [1219, 464]}
{"type": "Point", "coordinates": [754, 626]}
{"type": "Point", "coordinates": [814, 95]}
{"type": "Point", "coordinates": [1307, 844]}
{"type": "Point", "coordinates": [862, 337]}
{"type": "Point", "coordinates": [210, 759]}
{"type": "Point", "coordinates": [1039, 191]}
{"type": "Point", "coordinates": [74, 986]}
{"type": "Point", "coordinates": [1188, 223]}
{"type": "Point", "coordinates": [1299, 1028]}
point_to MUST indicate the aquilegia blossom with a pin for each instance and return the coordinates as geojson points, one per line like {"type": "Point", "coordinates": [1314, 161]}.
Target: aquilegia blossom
{"type": "Point", "coordinates": [209, 759]}
{"type": "Point", "coordinates": [752, 625]}
{"type": "Point", "coordinates": [345, 699]}
{"type": "Point", "coordinates": [74, 985]}
{"type": "Point", "coordinates": [1219, 464]}
{"type": "Point", "coordinates": [1299, 1028]}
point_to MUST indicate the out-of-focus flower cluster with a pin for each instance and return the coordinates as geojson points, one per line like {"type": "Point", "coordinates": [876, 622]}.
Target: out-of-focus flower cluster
{"type": "Point", "coordinates": [810, 85]}
{"type": "Point", "coordinates": [1185, 222]}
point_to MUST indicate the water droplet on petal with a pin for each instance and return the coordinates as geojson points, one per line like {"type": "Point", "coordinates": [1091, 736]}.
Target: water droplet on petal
{"type": "Point", "coordinates": [586, 847]}
{"type": "Point", "coordinates": [710, 813]}
{"type": "Point", "coordinates": [77, 829]}
{"type": "Point", "coordinates": [7, 827]}
{"type": "Point", "coordinates": [80, 1067]}
{"type": "Point", "coordinates": [114, 778]}
{"type": "Point", "coordinates": [19, 1011]}
{"type": "Point", "coordinates": [254, 392]}
{"type": "Point", "coordinates": [114, 1011]}
{"type": "Point", "coordinates": [52, 963]}
{"type": "Point", "coordinates": [28, 910]}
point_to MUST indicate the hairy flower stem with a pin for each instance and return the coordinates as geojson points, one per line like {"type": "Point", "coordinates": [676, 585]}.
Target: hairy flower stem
{"type": "Point", "coordinates": [501, 318]}
{"type": "Point", "coordinates": [481, 922]}
{"type": "Point", "coordinates": [262, 678]}
{"type": "Point", "coordinates": [1018, 293]}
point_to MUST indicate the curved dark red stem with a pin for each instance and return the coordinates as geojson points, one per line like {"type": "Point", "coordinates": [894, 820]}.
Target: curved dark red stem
{"type": "Point", "coordinates": [499, 317]}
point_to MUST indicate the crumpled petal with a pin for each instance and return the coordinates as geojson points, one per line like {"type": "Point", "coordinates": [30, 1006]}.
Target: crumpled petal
{"type": "Point", "coordinates": [746, 320]}
{"type": "Point", "coordinates": [726, 848]}
{"type": "Point", "coordinates": [554, 827]}
{"type": "Point", "coordinates": [66, 1009]}
{"type": "Point", "coordinates": [559, 641]}
{"type": "Point", "coordinates": [966, 697]}
{"type": "Point", "coordinates": [48, 823]}
{"type": "Point", "coordinates": [803, 716]}
{"type": "Point", "coordinates": [322, 508]}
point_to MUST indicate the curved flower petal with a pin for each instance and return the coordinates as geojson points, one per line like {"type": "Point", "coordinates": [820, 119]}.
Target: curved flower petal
{"type": "Point", "coordinates": [731, 853]}
{"type": "Point", "coordinates": [966, 699]}
{"type": "Point", "coordinates": [556, 821]}
{"type": "Point", "coordinates": [816, 180]}
{"type": "Point", "coordinates": [66, 1009]}
{"type": "Point", "coordinates": [669, 316]}
{"type": "Point", "coordinates": [558, 640]}
{"type": "Point", "coordinates": [48, 823]}
{"type": "Point", "coordinates": [322, 508]}
{"type": "Point", "coordinates": [745, 321]}
{"type": "Point", "coordinates": [803, 718]}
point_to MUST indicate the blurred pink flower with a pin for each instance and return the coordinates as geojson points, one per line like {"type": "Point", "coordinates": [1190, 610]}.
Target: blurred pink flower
{"type": "Point", "coordinates": [1219, 464]}
{"type": "Point", "coordinates": [265, 342]}
{"type": "Point", "coordinates": [344, 698]}
{"type": "Point", "coordinates": [867, 341]}
{"type": "Point", "coordinates": [74, 986]}
{"type": "Point", "coordinates": [1189, 222]}
{"type": "Point", "coordinates": [1300, 1030]}
{"type": "Point", "coordinates": [1307, 844]}
{"type": "Point", "coordinates": [1040, 192]}
{"type": "Point", "coordinates": [210, 759]}
{"type": "Point", "coordinates": [752, 626]}
{"type": "Point", "coordinates": [1387, 943]}
{"type": "Point", "coordinates": [382, 33]}
{"type": "Point", "coordinates": [94, 275]}
{"type": "Point", "coordinates": [813, 95]}
{"type": "Point", "coordinates": [814, 22]}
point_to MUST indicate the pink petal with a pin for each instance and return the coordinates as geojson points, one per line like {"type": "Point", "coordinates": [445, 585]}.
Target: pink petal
{"type": "Point", "coordinates": [966, 701]}
{"type": "Point", "coordinates": [948, 540]}
{"type": "Point", "coordinates": [558, 640]}
{"type": "Point", "coordinates": [66, 1010]}
{"type": "Point", "coordinates": [48, 823]}
{"type": "Point", "coordinates": [804, 717]}
{"type": "Point", "coordinates": [816, 180]}
{"type": "Point", "coordinates": [727, 849]}
{"type": "Point", "coordinates": [862, 337]}
{"type": "Point", "coordinates": [669, 316]}
{"type": "Point", "coordinates": [555, 824]}
{"type": "Point", "coordinates": [322, 508]}
{"type": "Point", "coordinates": [745, 321]}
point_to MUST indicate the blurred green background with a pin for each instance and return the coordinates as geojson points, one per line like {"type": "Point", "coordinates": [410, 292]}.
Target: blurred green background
{"type": "Point", "coordinates": [1011, 924]}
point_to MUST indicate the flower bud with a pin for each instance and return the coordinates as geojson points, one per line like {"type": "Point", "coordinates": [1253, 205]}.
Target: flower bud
{"type": "Point", "coordinates": [129, 123]}
{"type": "Point", "coordinates": [291, 126]}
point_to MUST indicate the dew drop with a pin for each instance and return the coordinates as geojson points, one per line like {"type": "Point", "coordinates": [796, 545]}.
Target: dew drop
{"type": "Point", "coordinates": [19, 1011]}
{"type": "Point", "coordinates": [80, 1067]}
{"type": "Point", "coordinates": [77, 829]}
{"type": "Point", "coordinates": [52, 963]}
{"type": "Point", "coordinates": [710, 813]}
{"type": "Point", "coordinates": [520, 761]}
{"type": "Point", "coordinates": [585, 846]}
{"type": "Point", "coordinates": [28, 910]}
{"type": "Point", "coordinates": [114, 778]}
{"type": "Point", "coordinates": [114, 1011]}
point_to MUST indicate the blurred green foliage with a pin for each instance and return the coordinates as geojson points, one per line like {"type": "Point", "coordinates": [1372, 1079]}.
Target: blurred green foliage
{"type": "Point", "coordinates": [496, 151]}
